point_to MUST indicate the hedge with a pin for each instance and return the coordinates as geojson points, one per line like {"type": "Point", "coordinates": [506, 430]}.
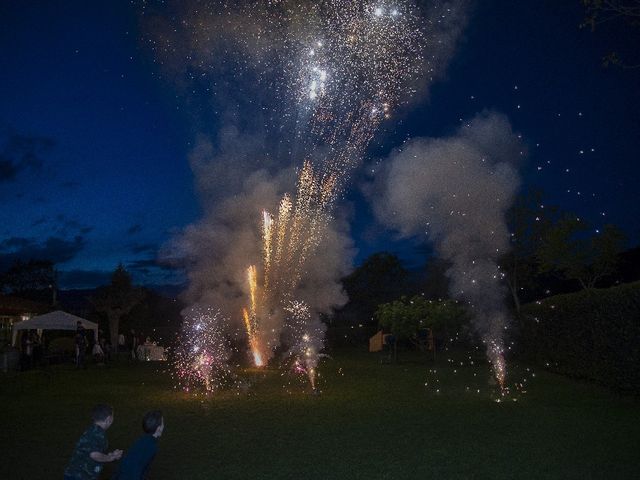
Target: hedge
{"type": "Point", "coordinates": [592, 334]}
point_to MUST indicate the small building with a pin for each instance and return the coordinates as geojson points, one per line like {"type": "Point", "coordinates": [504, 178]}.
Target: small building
{"type": "Point", "coordinates": [16, 309]}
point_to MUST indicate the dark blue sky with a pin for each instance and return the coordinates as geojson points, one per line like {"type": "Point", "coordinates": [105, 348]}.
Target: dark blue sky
{"type": "Point", "coordinates": [94, 145]}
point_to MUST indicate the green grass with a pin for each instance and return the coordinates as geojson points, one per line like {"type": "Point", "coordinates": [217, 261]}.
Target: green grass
{"type": "Point", "coordinates": [372, 421]}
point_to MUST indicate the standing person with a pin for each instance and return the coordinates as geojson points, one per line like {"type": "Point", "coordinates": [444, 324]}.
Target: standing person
{"type": "Point", "coordinates": [30, 347]}
{"type": "Point", "coordinates": [121, 342]}
{"type": "Point", "coordinates": [90, 453]}
{"type": "Point", "coordinates": [134, 344]}
{"type": "Point", "coordinates": [106, 348]}
{"type": "Point", "coordinates": [24, 340]}
{"type": "Point", "coordinates": [81, 346]}
{"type": "Point", "coordinates": [142, 347]}
{"type": "Point", "coordinates": [98, 353]}
{"type": "Point", "coordinates": [135, 464]}
{"type": "Point", "coordinates": [36, 348]}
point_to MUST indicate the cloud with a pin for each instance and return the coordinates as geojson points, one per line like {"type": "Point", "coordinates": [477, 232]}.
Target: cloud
{"type": "Point", "coordinates": [22, 152]}
{"type": "Point", "coordinates": [68, 226]}
{"type": "Point", "coordinates": [133, 229]}
{"type": "Point", "coordinates": [68, 279]}
{"type": "Point", "coordinates": [148, 272]}
{"type": "Point", "coordinates": [217, 251]}
{"type": "Point", "coordinates": [63, 225]}
{"type": "Point", "coordinates": [58, 250]}
{"type": "Point", "coordinates": [70, 184]}
{"type": "Point", "coordinates": [144, 248]}
{"type": "Point", "coordinates": [147, 264]}
{"type": "Point", "coordinates": [154, 271]}
{"type": "Point", "coordinates": [39, 221]}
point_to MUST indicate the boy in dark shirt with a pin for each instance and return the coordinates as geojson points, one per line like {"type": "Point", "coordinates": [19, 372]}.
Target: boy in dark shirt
{"type": "Point", "coordinates": [89, 454]}
{"type": "Point", "coordinates": [135, 464]}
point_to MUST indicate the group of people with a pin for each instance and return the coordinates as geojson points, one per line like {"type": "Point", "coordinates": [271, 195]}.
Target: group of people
{"type": "Point", "coordinates": [135, 342]}
{"type": "Point", "coordinates": [32, 346]}
{"type": "Point", "coordinates": [90, 453]}
{"type": "Point", "coordinates": [85, 343]}
{"type": "Point", "coordinates": [101, 349]}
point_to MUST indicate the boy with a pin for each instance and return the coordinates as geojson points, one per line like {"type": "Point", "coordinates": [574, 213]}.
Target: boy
{"type": "Point", "coordinates": [135, 464]}
{"type": "Point", "coordinates": [89, 454]}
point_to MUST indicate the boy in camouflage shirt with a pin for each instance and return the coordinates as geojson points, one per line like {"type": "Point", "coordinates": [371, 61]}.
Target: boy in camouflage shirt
{"type": "Point", "coordinates": [89, 454]}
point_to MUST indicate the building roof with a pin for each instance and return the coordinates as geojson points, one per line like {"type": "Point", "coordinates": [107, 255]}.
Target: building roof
{"type": "Point", "coordinates": [10, 305]}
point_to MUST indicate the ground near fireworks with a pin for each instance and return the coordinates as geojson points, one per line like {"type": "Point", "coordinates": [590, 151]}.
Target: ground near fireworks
{"type": "Point", "coordinates": [373, 420]}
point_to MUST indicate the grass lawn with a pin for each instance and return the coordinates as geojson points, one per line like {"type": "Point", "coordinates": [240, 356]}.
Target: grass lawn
{"type": "Point", "coordinates": [372, 421]}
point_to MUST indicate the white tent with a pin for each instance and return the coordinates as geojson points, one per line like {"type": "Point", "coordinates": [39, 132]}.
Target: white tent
{"type": "Point", "coordinates": [57, 320]}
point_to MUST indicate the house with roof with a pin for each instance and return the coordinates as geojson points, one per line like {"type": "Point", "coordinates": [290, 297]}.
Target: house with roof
{"type": "Point", "coordinates": [16, 309]}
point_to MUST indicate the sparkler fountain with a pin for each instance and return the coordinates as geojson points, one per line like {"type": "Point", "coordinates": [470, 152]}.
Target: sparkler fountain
{"type": "Point", "coordinates": [353, 62]}
{"type": "Point", "coordinates": [200, 363]}
{"type": "Point", "coordinates": [457, 190]}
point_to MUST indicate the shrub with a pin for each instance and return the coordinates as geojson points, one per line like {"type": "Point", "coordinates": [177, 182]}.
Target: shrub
{"type": "Point", "coordinates": [404, 317]}
{"type": "Point", "coordinates": [592, 334]}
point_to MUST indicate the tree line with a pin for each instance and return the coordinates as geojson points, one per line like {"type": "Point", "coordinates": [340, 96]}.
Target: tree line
{"type": "Point", "coordinates": [552, 251]}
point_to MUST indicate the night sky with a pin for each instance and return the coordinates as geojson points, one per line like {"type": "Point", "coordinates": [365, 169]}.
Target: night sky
{"type": "Point", "coordinates": [94, 140]}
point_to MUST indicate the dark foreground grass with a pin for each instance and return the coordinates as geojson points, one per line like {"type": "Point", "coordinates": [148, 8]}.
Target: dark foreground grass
{"type": "Point", "coordinates": [372, 421]}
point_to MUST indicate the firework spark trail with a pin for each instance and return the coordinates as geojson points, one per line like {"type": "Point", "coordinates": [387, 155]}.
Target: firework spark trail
{"type": "Point", "coordinates": [252, 277]}
{"type": "Point", "coordinates": [251, 317]}
{"type": "Point", "coordinates": [250, 325]}
{"type": "Point", "coordinates": [267, 244]}
{"type": "Point", "coordinates": [284, 213]}
{"type": "Point", "coordinates": [308, 220]}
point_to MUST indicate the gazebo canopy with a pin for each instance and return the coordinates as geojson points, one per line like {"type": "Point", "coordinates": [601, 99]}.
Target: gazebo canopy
{"type": "Point", "coordinates": [57, 320]}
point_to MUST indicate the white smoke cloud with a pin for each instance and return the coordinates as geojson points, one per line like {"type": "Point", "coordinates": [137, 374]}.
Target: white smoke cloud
{"type": "Point", "coordinates": [217, 250]}
{"type": "Point", "coordinates": [456, 191]}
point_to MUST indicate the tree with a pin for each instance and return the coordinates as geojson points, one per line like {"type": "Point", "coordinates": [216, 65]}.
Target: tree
{"type": "Point", "coordinates": [599, 12]}
{"type": "Point", "coordinates": [379, 279]}
{"type": "Point", "coordinates": [116, 300]}
{"type": "Point", "coordinates": [529, 221]}
{"type": "Point", "coordinates": [405, 317]}
{"type": "Point", "coordinates": [155, 315]}
{"type": "Point", "coordinates": [435, 282]}
{"type": "Point", "coordinates": [568, 250]}
{"type": "Point", "coordinates": [35, 280]}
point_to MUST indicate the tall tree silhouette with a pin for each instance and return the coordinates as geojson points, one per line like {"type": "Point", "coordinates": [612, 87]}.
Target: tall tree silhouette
{"type": "Point", "coordinates": [116, 300]}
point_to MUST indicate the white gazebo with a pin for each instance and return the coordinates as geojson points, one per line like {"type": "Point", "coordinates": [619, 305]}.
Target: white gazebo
{"type": "Point", "coordinates": [57, 320]}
